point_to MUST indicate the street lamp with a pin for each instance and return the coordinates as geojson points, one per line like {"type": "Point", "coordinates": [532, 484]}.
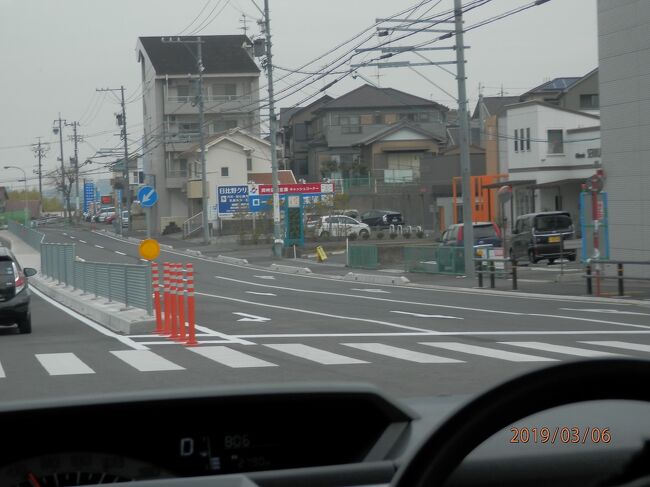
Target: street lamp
{"type": "Point", "coordinates": [25, 195]}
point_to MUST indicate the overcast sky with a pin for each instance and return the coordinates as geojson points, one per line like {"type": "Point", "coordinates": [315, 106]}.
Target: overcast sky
{"type": "Point", "coordinates": [55, 54]}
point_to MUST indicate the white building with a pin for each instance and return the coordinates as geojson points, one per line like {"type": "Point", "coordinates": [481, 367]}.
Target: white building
{"type": "Point", "coordinates": [171, 113]}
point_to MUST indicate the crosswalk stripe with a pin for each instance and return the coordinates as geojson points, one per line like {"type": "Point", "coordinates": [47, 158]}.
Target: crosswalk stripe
{"type": "Point", "coordinates": [63, 364]}
{"type": "Point", "coordinates": [2, 372]}
{"type": "Point", "coordinates": [231, 358]}
{"type": "Point", "coordinates": [488, 352]}
{"type": "Point", "coordinates": [315, 354]}
{"type": "Point", "coordinates": [550, 347]}
{"type": "Point", "coordinates": [146, 360]}
{"type": "Point", "coordinates": [639, 347]}
{"type": "Point", "coordinates": [402, 353]}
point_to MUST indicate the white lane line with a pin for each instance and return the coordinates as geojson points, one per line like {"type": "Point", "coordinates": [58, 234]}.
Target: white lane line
{"type": "Point", "coordinates": [170, 342]}
{"type": "Point", "coordinates": [402, 353]}
{"type": "Point", "coordinates": [260, 294]}
{"type": "Point", "coordinates": [63, 364]}
{"type": "Point", "coordinates": [118, 252]}
{"type": "Point", "coordinates": [441, 333]}
{"type": "Point", "coordinates": [377, 291]}
{"type": "Point", "coordinates": [2, 372]}
{"type": "Point", "coordinates": [590, 320]}
{"type": "Point", "coordinates": [224, 336]}
{"type": "Point", "coordinates": [95, 326]}
{"type": "Point", "coordinates": [254, 318]}
{"type": "Point", "coordinates": [607, 311]}
{"type": "Point", "coordinates": [639, 347]}
{"type": "Point", "coordinates": [550, 347]}
{"type": "Point", "coordinates": [83, 241]}
{"type": "Point", "coordinates": [420, 315]}
{"type": "Point", "coordinates": [488, 352]}
{"type": "Point", "coordinates": [146, 361]}
{"type": "Point", "coordinates": [316, 313]}
{"type": "Point", "coordinates": [270, 278]}
{"type": "Point", "coordinates": [65, 234]}
{"type": "Point", "coordinates": [72, 237]}
{"type": "Point", "coordinates": [315, 354]}
{"type": "Point", "coordinates": [99, 246]}
{"type": "Point", "coordinates": [231, 358]}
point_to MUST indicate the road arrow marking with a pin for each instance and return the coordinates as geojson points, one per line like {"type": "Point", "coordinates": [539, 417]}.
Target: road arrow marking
{"type": "Point", "coordinates": [420, 315]}
{"type": "Point", "coordinates": [372, 290]}
{"type": "Point", "coordinates": [260, 294]}
{"type": "Point", "coordinates": [607, 311]}
{"type": "Point", "coordinates": [247, 317]}
{"type": "Point", "coordinates": [265, 277]}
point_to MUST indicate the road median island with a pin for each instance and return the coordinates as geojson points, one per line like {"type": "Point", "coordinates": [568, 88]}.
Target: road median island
{"type": "Point", "coordinates": [375, 279]}
{"type": "Point", "coordinates": [290, 269]}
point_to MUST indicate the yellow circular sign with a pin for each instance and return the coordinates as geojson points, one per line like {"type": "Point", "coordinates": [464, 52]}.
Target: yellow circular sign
{"type": "Point", "coordinates": [149, 249]}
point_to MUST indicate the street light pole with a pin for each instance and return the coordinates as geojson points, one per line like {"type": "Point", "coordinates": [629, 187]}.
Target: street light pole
{"type": "Point", "coordinates": [25, 195]}
{"type": "Point", "coordinates": [59, 130]}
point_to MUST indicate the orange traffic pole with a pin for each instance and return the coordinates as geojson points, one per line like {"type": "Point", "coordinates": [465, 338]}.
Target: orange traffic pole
{"type": "Point", "coordinates": [172, 292]}
{"type": "Point", "coordinates": [156, 297]}
{"type": "Point", "coordinates": [166, 302]}
{"type": "Point", "coordinates": [191, 316]}
{"type": "Point", "coordinates": [181, 305]}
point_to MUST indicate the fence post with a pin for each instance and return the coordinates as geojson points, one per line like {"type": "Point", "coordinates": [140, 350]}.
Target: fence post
{"type": "Point", "coordinates": [95, 280]}
{"type": "Point", "coordinates": [492, 284]}
{"type": "Point", "coordinates": [110, 284]}
{"type": "Point", "coordinates": [126, 283]}
{"type": "Point", "coordinates": [589, 288]}
{"type": "Point", "coordinates": [514, 275]}
{"type": "Point", "coordinates": [479, 273]}
{"type": "Point", "coordinates": [621, 291]}
{"type": "Point", "coordinates": [58, 264]}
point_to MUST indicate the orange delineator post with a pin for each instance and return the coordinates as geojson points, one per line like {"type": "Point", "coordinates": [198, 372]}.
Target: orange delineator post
{"type": "Point", "coordinates": [191, 316]}
{"type": "Point", "coordinates": [156, 297]}
{"type": "Point", "coordinates": [174, 313]}
{"type": "Point", "coordinates": [166, 300]}
{"type": "Point", "coordinates": [181, 305]}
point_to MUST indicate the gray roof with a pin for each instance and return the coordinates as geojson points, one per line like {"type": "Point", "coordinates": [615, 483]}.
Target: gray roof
{"type": "Point", "coordinates": [221, 54]}
{"type": "Point", "coordinates": [494, 104]}
{"type": "Point", "coordinates": [391, 129]}
{"type": "Point", "coordinates": [367, 96]}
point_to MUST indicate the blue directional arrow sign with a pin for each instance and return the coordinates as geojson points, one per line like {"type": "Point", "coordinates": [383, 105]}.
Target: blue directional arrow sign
{"type": "Point", "coordinates": [147, 196]}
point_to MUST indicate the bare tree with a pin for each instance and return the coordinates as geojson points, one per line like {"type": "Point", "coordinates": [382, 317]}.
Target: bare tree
{"type": "Point", "coordinates": [63, 182]}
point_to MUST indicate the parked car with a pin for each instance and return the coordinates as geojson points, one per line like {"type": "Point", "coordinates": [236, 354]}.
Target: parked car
{"type": "Point", "coordinates": [125, 218]}
{"type": "Point", "coordinates": [538, 236]}
{"type": "Point", "coordinates": [341, 226]}
{"type": "Point", "coordinates": [351, 213]}
{"type": "Point", "coordinates": [104, 213]}
{"type": "Point", "coordinates": [14, 292]}
{"type": "Point", "coordinates": [382, 218]}
{"type": "Point", "coordinates": [485, 233]}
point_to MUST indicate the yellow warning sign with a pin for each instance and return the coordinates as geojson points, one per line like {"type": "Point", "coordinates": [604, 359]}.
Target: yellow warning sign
{"type": "Point", "coordinates": [320, 252]}
{"type": "Point", "coordinates": [149, 249]}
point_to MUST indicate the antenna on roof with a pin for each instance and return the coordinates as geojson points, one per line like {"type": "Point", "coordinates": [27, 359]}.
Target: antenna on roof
{"type": "Point", "coordinates": [244, 22]}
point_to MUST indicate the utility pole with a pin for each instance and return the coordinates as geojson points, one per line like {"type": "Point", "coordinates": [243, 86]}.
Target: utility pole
{"type": "Point", "coordinates": [59, 130]}
{"type": "Point", "coordinates": [465, 168]}
{"type": "Point", "coordinates": [39, 151]}
{"type": "Point", "coordinates": [277, 232]}
{"type": "Point", "coordinates": [75, 161]}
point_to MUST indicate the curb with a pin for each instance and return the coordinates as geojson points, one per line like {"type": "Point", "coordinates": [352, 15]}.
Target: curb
{"type": "Point", "coordinates": [109, 315]}
{"type": "Point", "coordinates": [230, 260]}
{"type": "Point", "coordinates": [193, 252]}
{"type": "Point", "coordinates": [373, 279]}
{"type": "Point", "coordinates": [290, 269]}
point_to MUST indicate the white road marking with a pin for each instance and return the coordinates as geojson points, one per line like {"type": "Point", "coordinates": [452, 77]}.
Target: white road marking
{"type": "Point", "coordinates": [316, 313]}
{"type": "Point", "coordinates": [420, 315]}
{"type": "Point", "coordinates": [639, 347]}
{"type": "Point", "coordinates": [606, 311]}
{"type": "Point", "coordinates": [2, 372]}
{"type": "Point", "coordinates": [146, 361]}
{"type": "Point", "coordinates": [63, 364]}
{"type": "Point", "coordinates": [260, 294]}
{"type": "Point", "coordinates": [99, 246]}
{"type": "Point", "coordinates": [82, 241]}
{"type": "Point", "coordinates": [145, 260]}
{"type": "Point", "coordinates": [315, 354]}
{"type": "Point", "coordinates": [231, 358]}
{"type": "Point", "coordinates": [377, 291]}
{"type": "Point", "coordinates": [443, 333]}
{"type": "Point", "coordinates": [488, 352]}
{"type": "Point", "coordinates": [254, 318]}
{"type": "Point", "coordinates": [402, 353]}
{"type": "Point", "coordinates": [72, 237]}
{"type": "Point", "coordinates": [271, 278]}
{"type": "Point", "coordinates": [590, 320]}
{"type": "Point", "coordinates": [118, 252]}
{"type": "Point", "coordinates": [65, 234]}
{"type": "Point", "coordinates": [86, 321]}
{"type": "Point", "coordinates": [549, 347]}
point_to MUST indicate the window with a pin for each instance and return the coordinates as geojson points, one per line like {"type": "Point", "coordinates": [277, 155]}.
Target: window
{"type": "Point", "coordinates": [351, 129]}
{"type": "Point", "coordinates": [224, 172]}
{"type": "Point", "coordinates": [408, 116]}
{"type": "Point", "coordinates": [423, 117]}
{"type": "Point", "coordinates": [589, 102]}
{"type": "Point", "coordinates": [555, 142]}
{"type": "Point", "coordinates": [390, 118]}
{"type": "Point", "coordinates": [516, 140]}
{"type": "Point", "coordinates": [249, 162]}
{"type": "Point", "coordinates": [593, 152]}
{"type": "Point", "coordinates": [223, 89]}
{"type": "Point", "coordinates": [528, 139]}
{"type": "Point", "coordinates": [366, 119]}
{"type": "Point", "coordinates": [223, 125]}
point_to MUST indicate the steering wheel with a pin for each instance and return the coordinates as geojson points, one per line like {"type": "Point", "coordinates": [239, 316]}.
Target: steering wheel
{"type": "Point", "coordinates": [459, 435]}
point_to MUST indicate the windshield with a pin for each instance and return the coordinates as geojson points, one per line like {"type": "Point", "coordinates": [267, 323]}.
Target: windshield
{"type": "Point", "coordinates": [277, 208]}
{"type": "Point", "coordinates": [547, 223]}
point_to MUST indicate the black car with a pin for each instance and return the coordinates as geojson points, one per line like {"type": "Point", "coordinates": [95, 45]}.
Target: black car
{"type": "Point", "coordinates": [14, 292]}
{"type": "Point", "coordinates": [538, 236]}
{"type": "Point", "coordinates": [382, 218]}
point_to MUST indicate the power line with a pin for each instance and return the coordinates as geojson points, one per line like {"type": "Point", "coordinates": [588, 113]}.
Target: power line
{"type": "Point", "coordinates": [195, 18]}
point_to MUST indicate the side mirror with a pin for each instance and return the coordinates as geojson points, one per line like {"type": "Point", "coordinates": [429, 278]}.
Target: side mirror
{"type": "Point", "coordinates": [29, 272]}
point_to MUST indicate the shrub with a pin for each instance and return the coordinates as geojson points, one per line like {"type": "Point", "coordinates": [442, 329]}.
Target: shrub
{"type": "Point", "coordinates": [380, 235]}
{"type": "Point", "coordinates": [420, 234]}
{"type": "Point", "coordinates": [393, 235]}
{"type": "Point", "coordinates": [407, 235]}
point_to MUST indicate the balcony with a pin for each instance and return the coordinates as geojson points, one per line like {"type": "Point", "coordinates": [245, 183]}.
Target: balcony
{"type": "Point", "coordinates": [187, 105]}
{"type": "Point", "coordinates": [175, 179]}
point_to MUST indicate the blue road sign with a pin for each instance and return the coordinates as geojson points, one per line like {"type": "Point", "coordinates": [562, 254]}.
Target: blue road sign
{"type": "Point", "coordinates": [147, 196]}
{"type": "Point", "coordinates": [232, 199]}
{"type": "Point", "coordinates": [89, 195]}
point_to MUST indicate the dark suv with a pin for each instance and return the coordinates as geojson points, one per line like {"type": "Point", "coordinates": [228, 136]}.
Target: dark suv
{"type": "Point", "coordinates": [14, 292]}
{"type": "Point", "coordinates": [382, 218]}
{"type": "Point", "coordinates": [538, 236]}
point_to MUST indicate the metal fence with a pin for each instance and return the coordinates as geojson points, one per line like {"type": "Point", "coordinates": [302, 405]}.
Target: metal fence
{"type": "Point", "coordinates": [363, 256]}
{"type": "Point", "coordinates": [130, 284]}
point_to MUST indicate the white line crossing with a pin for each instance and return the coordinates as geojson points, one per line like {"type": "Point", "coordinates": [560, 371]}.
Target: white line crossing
{"type": "Point", "coordinates": [639, 347]}
{"type": "Point", "coordinates": [83, 241]}
{"type": "Point", "coordinates": [550, 347]}
{"type": "Point", "coordinates": [63, 364]}
{"type": "Point", "coordinates": [488, 352]}
{"type": "Point", "coordinates": [402, 353]}
{"type": "Point", "coordinates": [315, 354]}
{"type": "Point", "coordinates": [231, 358]}
{"type": "Point", "coordinates": [99, 246]}
{"type": "Point", "coordinates": [2, 372]}
{"type": "Point", "coordinates": [146, 361]}
{"type": "Point", "coordinates": [118, 252]}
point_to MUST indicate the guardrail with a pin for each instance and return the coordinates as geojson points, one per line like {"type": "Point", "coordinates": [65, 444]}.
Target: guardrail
{"type": "Point", "coordinates": [593, 269]}
{"type": "Point", "coordinates": [130, 284]}
{"type": "Point", "coordinates": [487, 265]}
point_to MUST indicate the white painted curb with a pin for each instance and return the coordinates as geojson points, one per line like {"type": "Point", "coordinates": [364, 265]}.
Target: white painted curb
{"type": "Point", "coordinates": [231, 260]}
{"type": "Point", "coordinates": [374, 279]}
{"type": "Point", "coordinates": [290, 269]}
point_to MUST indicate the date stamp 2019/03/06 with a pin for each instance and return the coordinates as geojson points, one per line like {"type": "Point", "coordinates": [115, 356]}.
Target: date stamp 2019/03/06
{"type": "Point", "coordinates": [561, 435]}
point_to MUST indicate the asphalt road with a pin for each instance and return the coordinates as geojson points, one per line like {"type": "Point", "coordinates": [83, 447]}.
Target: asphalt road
{"type": "Point", "coordinates": [260, 326]}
